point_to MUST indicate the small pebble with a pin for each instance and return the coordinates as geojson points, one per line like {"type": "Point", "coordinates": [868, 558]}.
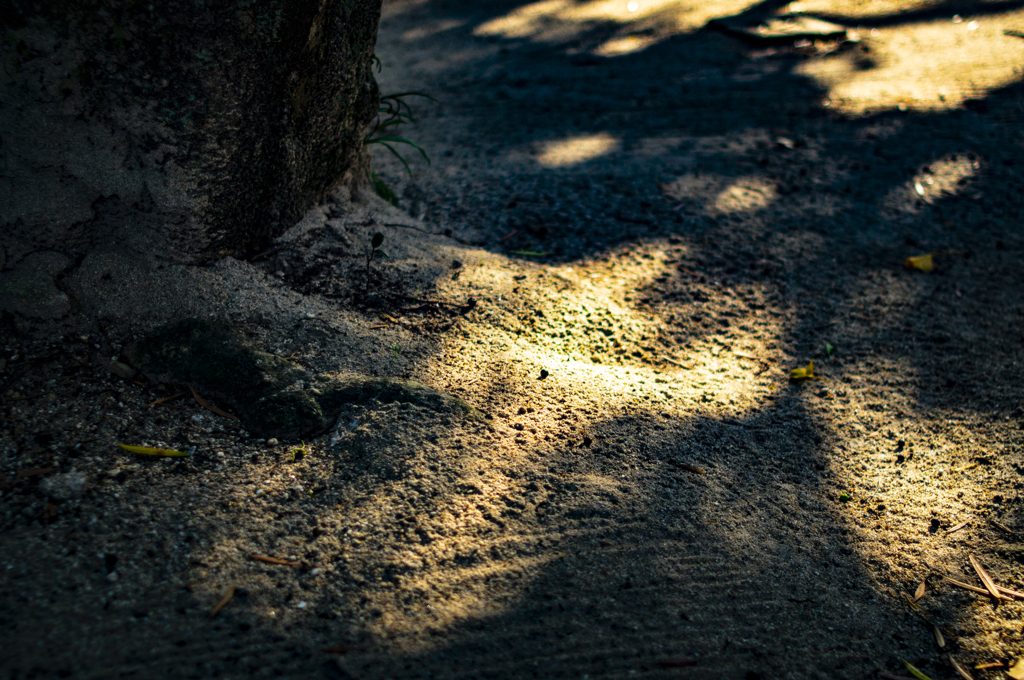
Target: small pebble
{"type": "Point", "coordinates": [272, 441]}
{"type": "Point", "coordinates": [112, 576]}
{"type": "Point", "coordinates": [316, 572]}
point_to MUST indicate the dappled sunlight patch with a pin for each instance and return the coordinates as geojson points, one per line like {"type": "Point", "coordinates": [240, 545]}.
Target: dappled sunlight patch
{"type": "Point", "coordinates": [943, 178]}
{"type": "Point", "coordinates": [576, 150]}
{"type": "Point", "coordinates": [562, 20]}
{"type": "Point", "coordinates": [627, 44]}
{"type": "Point", "coordinates": [929, 65]}
{"type": "Point", "coordinates": [719, 195]}
{"type": "Point", "coordinates": [745, 194]}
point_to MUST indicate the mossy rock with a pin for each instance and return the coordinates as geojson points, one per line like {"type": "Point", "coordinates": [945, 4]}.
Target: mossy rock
{"type": "Point", "coordinates": [272, 396]}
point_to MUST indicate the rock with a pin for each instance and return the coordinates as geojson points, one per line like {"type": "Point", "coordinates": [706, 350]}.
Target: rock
{"type": "Point", "coordinates": [64, 486]}
{"type": "Point", "coordinates": [273, 397]}
{"type": "Point", "coordinates": [30, 288]}
{"type": "Point", "coordinates": [186, 128]}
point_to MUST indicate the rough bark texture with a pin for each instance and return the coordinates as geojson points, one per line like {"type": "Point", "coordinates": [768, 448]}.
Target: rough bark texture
{"type": "Point", "coordinates": [196, 128]}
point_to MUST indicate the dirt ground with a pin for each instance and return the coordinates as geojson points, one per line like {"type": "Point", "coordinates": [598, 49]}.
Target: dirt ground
{"type": "Point", "coordinates": [632, 230]}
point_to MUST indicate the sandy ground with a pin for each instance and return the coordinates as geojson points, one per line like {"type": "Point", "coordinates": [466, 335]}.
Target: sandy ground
{"type": "Point", "coordinates": [631, 232]}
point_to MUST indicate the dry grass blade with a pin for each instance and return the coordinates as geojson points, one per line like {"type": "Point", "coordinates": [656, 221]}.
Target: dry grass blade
{"type": "Point", "coordinates": [990, 585]}
{"type": "Point", "coordinates": [913, 605]}
{"type": "Point", "coordinates": [961, 671]}
{"type": "Point", "coordinates": [273, 560]}
{"type": "Point", "coordinates": [919, 593]}
{"type": "Point", "coordinates": [913, 671]}
{"type": "Point", "coordinates": [173, 396]}
{"type": "Point", "coordinates": [690, 468]}
{"type": "Point", "coordinates": [224, 600]}
{"type": "Point", "coordinates": [209, 407]}
{"type": "Point", "coordinates": [1001, 526]}
{"type": "Point", "coordinates": [960, 526]}
{"type": "Point", "coordinates": [986, 666]}
{"type": "Point", "coordinates": [1010, 593]}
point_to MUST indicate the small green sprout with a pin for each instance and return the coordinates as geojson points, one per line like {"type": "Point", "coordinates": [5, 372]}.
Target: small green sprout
{"type": "Point", "coordinates": [300, 452]}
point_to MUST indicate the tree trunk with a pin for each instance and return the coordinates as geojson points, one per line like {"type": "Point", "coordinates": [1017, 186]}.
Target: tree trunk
{"type": "Point", "coordinates": [192, 128]}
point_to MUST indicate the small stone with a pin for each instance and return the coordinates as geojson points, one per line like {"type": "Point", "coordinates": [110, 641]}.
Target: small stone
{"type": "Point", "coordinates": [64, 486]}
{"type": "Point", "coordinates": [272, 441]}
{"type": "Point", "coordinates": [112, 576]}
{"type": "Point", "coordinates": [316, 572]}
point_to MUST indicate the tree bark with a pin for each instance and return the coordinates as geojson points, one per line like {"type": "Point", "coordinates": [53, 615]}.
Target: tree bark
{"type": "Point", "coordinates": [193, 128]}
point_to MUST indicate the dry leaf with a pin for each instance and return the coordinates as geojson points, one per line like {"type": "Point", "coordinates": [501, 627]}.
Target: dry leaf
{"type": "Point", "coordinates": [961, 671]}
{"type": "Point", "coordinates": [921, 263]}
{"type": "Point", "coordinates": [273, 560]}
{"type": "Point", "coordinates": [224, 600]}
{"type": "Point", "coordinates": [146, 451]}
{"type": "Point", "coordinates": [1017, 670]}
{"type": "Point", "coordinates": [919, 593]}
{"type": "Point", "coordinates": [202, 402]}
{"type": "Point", "coordinates": [990, 585]}
{"type": "Point", "coordinates": [990, 664]}
{"type": "Point", "coordinates": [939, 640]}
{"type": "Point", "coordinates": [690, 468]}
{"type": "Point", "coordinates": [805, 373]}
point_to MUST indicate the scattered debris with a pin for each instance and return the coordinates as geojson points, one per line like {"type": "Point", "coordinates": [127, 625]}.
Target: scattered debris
{"type": "Point", "coordinates": [690, 468]}
{"type": "Point", "coordinates": [921, 263]}
{"type": "Point", "coordinates": [805, 373]}
{"type": "Point", "coordinates": [224, 600]}
{"type": "Point", "coordinates": [164, 399]}
{"type": "Point", "coordinates": [274, 560]}
{"type": "Point", "coordinates": [990, 585]}
{"type": "Point", "coordinates": [913, 671]}
{"type": "Point", "coordinates": [147, 451]}
{"type": "Point", "coordinates": [939, 639]}
{"type": "Point", "coordinates": [209, 407]}
{"type": "Point", "coordinates": [919, 593]}
{"type": "Point", "coordinates": [961, 671]}
{"type": "Point", "coordinates": [961, 525]}
{"type": "Point", "coordinates": [1001, 526]}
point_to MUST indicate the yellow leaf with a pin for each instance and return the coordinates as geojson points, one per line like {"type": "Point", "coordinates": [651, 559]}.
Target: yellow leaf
{"type": "Point", "coordinates": [1017, 671]}
{"type": "Point", "coordinates": [922, 263]}
{"type": "Point", "coordinates": [805, 373]}
{"type": "Point", "coordinates": [146, 451]}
